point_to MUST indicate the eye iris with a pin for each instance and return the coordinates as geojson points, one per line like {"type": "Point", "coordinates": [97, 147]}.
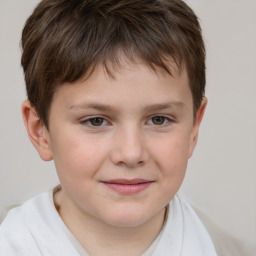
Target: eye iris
{"type": "Point", "coordinates": [96, 121]}
{"type": "Point", "coordinates": [158, 120]}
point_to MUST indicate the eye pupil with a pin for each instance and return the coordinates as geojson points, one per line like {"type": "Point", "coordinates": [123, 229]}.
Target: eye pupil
{"type": "Point", "coordinates": [96, 121]}
{"type": "Point", "coordinates": [158, 120]}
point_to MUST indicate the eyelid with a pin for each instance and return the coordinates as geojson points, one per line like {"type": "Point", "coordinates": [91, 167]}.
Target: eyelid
{"type": "Point", "coordinates": [86, 120]}
{"type": "Point", "coordinates": [169, 119]}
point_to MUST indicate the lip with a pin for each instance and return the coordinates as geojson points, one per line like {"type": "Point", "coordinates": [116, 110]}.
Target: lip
{"type": "Point", "coordinates": [128, 186]}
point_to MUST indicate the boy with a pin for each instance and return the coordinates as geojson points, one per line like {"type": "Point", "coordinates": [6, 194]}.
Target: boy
{"type": "Point", "coordinates": [115, 97]}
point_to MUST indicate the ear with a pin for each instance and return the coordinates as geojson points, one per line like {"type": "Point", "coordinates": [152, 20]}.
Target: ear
{"type": "Point", "coordinates": [197, 122]}
{"type": "Point", "coordinates": [37, 132]}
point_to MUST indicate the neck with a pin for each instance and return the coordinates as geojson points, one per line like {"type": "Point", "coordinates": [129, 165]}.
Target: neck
{"type": "Point", "coordinates": [100, 238]}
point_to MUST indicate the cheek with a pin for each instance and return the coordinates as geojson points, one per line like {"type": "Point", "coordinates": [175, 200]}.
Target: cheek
{"type": "Point", "coordinates": [171, 155]}
{"type": "Point", "coordinates": [77, 157]}
{"type": "Point", "coordinates": [174, 145]}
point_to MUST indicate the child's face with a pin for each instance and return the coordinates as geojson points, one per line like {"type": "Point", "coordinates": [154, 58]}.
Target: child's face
{"type": "Point", "coordinates": [121, 145]}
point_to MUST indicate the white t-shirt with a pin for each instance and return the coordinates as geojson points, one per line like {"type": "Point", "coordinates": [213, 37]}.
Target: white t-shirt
{"type": "Point", "coordinates": [35, 228]}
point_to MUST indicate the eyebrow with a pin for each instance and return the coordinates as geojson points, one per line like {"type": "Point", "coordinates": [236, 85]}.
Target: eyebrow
{"type": "Point", "coordinates": [96, 106]}
{"type": "Point", "coordinates": [162, 106]}
{"type": "Point", "coordinates": [108, 108]}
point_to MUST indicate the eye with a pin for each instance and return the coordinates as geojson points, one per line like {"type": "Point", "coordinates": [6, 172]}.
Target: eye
{"type": "Point", "coordinates": [159, 120]}
{"type": "Point", "coordinates": [95, 121]}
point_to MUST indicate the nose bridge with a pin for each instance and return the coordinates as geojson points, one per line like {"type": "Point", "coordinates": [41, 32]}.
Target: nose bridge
{"type": "Point", "coordinates": [130, 147]}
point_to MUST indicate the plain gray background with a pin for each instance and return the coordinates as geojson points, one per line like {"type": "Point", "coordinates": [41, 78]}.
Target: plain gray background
{"type": "Point", "coordinates": [221, 176]}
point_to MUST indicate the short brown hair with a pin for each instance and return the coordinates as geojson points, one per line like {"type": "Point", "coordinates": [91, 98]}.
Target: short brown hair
{"type": "Point", "coordinates": [65, 39]}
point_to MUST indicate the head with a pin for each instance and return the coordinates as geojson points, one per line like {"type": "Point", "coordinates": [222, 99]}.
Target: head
{"type": "Point", "coordinates": [115, 92]}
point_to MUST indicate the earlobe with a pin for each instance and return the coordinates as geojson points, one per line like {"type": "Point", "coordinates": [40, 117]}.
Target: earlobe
{"type": "Point", "coordinates": [37, 132]}
{"type": "Point", "coordinates": [197, 122]}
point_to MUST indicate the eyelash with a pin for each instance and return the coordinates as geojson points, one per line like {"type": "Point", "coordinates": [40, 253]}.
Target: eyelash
{"type": "Point", "coordinates": [166, 120]}
{"type": "Point", "coordinates": [88, 122]}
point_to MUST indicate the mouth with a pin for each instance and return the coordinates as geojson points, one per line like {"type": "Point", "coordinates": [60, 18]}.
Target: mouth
{"type": "Point", "coordinates": [126, 186]}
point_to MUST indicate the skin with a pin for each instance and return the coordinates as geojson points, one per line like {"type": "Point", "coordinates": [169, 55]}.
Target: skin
{"type": "Point", "coordinates": [145, 130]}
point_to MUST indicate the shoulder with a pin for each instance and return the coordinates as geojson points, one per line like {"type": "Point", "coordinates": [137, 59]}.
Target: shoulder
{"type": "Point", "coordinates": [185, 227]}
{"type": "Point", "coordinates": [17, 230]}
{"type": "Point", "coordinates": [25, 214]}
{"type": "Point", "coordinates": [196, 236]}
{"type": "Point", "coordinates": [225, 243]}
{"type": "Point", "coordinates": [35, 228]}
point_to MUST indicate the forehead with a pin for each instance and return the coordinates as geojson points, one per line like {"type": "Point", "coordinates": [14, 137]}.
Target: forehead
{"type": "Point", "coordinates": [130, 85]}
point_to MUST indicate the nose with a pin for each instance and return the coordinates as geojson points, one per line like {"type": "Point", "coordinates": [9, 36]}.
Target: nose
{"type": "Point", "coordinates": [129, 148]}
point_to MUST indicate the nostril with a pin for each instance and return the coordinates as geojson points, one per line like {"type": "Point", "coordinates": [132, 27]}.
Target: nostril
{"type": "Point", "coordinates": [140, 163]}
